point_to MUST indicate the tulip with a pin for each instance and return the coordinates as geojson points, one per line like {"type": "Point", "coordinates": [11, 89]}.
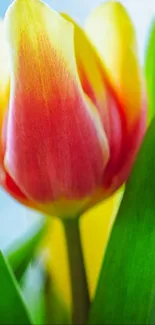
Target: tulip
{"type": "Point", "coordinates": [75, 114]}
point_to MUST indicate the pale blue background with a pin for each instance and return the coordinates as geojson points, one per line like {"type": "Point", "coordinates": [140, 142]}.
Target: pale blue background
{"type": "Point", "coordinates": [15, 219]}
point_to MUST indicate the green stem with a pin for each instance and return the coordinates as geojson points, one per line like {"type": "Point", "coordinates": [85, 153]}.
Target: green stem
{"type": "Point", "coordinates": [80, 295]}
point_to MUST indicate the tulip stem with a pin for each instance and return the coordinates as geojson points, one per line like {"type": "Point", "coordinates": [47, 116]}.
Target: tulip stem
{"type": "Point", "coordinates": [80, 295]}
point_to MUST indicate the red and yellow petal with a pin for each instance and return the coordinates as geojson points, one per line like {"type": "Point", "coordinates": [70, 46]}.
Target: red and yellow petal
{"type": "Point", "coordinates": [90, 71]}
{"type": "Point", "coordinates": [96, 85]}
{"type": "Point", "coordinates": [56, 146]}
{"type": "Point", "coordinates": [112, 32]}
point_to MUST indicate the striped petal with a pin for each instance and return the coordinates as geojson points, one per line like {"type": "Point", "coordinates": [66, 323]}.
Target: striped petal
{"type": "Point", "coordinates": [56, 146]}
{"type": "Point", "coordinates": [90, 71]}
{"type": "Point", "coordinates": [112, 32]}
{"type": "Point", "coordinates": [96, 85]}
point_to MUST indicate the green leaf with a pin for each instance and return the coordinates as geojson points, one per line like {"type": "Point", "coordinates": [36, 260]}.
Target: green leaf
{"type": "Point", "coordinates": [12, 307]}
{"type": "Point", "coordinates": [150, 70]}
{"type": "Point", "coordinates": [21, 251]}
{"type": "Point", "coordinates": [126, 289]}
{"type": "Point", "coordinates": [33, 285]}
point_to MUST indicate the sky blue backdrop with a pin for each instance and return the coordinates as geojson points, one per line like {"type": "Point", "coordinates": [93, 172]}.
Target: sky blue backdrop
{"type": "Point", "coordinates": [15, 219]}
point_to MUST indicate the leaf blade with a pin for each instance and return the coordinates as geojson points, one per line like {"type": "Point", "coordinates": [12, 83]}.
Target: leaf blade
{"type": "Point", "coordinates": [126, 287]}
{"type": "Point", "coordinates": [12, 307]}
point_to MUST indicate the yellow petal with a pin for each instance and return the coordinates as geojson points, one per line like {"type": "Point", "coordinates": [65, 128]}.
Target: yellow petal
{"type": "Point", "coordinates": [91, 71]}
{"type": "Point", "coordinates": [4, 74]}
{"type": "Point", "coordinates": [112, 32]}
{"type": "Point", "coordinates": [88, 64]}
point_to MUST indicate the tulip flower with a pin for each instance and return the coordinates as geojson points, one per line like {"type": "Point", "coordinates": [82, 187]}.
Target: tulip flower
{"type": "Point", "coordinates": [75, 114]}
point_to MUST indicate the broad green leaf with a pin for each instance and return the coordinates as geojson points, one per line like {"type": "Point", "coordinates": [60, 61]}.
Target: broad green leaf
{"type": "Point", "coordinates": [21, 251]}
{"type": "Point", "coordinates": [12, 307]}
{"type": "Point", "coordinates": [126, 288]}
{"type": "Point", "coordinates": [33, 286]}
{"type": "Point", "coordinates": [150, 70]}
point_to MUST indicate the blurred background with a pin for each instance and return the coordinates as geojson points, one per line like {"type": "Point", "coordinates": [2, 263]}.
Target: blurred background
{"type": "Point", "coordinates": [15, 219]}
